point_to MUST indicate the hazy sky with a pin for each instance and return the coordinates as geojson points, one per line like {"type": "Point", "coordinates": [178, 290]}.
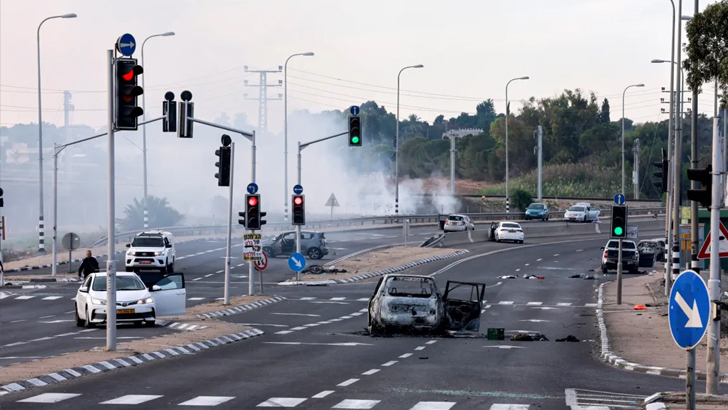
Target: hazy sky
{"type": "Point", "coordinates": [470, 49]}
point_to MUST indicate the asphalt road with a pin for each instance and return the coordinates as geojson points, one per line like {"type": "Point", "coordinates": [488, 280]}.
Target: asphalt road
{"type": "Point", "coordinates": [315, 353]}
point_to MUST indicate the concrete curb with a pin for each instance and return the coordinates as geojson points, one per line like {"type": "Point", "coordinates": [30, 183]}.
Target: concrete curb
{"type": "Point", "coordinates": [21, 286]}
{"type": "Point", "coordinates": [374, 274]}
{"type": "Point", "coordinates": [621, 363]}
{"type": "Point", "coordinates": [105, 366]}
{"type": "Point", "coordinates": [243, 308]}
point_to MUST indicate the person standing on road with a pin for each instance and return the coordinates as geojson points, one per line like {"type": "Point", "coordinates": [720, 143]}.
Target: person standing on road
{"type": "Point", "coordinates": [88, 266]}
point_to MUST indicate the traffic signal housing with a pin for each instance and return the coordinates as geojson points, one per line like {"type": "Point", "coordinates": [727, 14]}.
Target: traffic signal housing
{"type": "Point", "coordinates": [169, 111]}
{"type": "Point", "coordinates": [619, 222]}
{"type": "Point", "coordinates": [705, 177]}
{"type": "Point", "coordinates": [223, 166]}
{"type": "Point", "coordinates": [2, 201]}
{"type": "Point", "coordinates": [126, 92]}
{"type": "Point", "coordinates": [662, 174]}
{"type": "Point", "coordinates": [186, 111]}
{"type": "Point", "coordinates": [299, 209]}
{"type": "Point", "coordinates": [241, 215]}
{"type": "Point", "coordinates": [252, 212]}
{"type": "Point", "coordinates": [355, 131]}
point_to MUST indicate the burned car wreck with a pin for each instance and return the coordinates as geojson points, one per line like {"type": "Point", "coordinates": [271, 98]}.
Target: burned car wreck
{"type": "Point", "coordinates": [410, 303]}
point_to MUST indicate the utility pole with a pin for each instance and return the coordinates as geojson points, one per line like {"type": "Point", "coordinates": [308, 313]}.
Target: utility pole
{"type": "Point", "coordinates": [67, 108]}
{"type": "Point", "coordinates": [677, 160]}
{"type": "Point", "coordinates": [694, 242]}
{"type": "Point", "coordinates": [539, 147]}
{"type": "Point", "coordinates": [263, 95]}
{"type": "Point", "coordinates": [636, 171]}
{"type": "Point", "coordinates": [712, 380]}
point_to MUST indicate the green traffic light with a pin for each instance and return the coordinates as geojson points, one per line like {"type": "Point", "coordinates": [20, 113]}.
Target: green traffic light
{"type": "Point", "coordinates": [355, 140]}
{"type": "Point", "coordinates": [618, 231]}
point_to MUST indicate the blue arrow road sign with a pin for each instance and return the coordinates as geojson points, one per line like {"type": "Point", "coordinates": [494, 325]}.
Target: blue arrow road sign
{"type": "Point", "coordinates": [619, 199]}
{"type": "Point", "coordinates": [354, 110]}
{"type": "Point", "coordinates": [252, 188]}
{"type": "Point", "coordinates": [689, 309]}
{"type": "Point", "coordinates": [297, 189]}
{"type": "Point", "coordinates": [296, 262]}
{"type": "Point", "coordinates": [126, 45]}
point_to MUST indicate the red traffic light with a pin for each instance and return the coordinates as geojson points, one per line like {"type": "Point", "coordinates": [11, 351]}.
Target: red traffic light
{"type": "Point", "coordinates": [136, 70]}
{"type": "Point", "coordinates": [253, 201]}
{"type": "Point", "coordinates": [298, 200]}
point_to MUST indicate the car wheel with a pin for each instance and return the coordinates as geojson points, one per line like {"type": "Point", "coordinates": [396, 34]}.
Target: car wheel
{"type": "Point", "coordinates": [170, 268]}
{"type": "Point", "coordinates": [149, 323]}
{"type": "Point", "coordinates": [88, 323]}
{"type": "Point", "coordinates": [315, 253]}
{"type": "Point", "coordinates": [79, 321]}
{"type": "Point", "coordinates": [138, 324]}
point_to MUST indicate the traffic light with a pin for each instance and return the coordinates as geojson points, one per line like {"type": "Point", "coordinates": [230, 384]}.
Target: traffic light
{"type": "Point", "coordinates": [705, 177]}
{"type": "Point", "coordinates": [169, 110]}
{"type": "Point", "coordinates": [241, 215]}
{"type": "Point", "coordinates": [664, 169]}
{"type": "Point", "coordinates": [252, 212]}
{"type": "Point", "coordinates": [186, 111]}
{"type": "Point", "coordinates": [354, 131]}
{"type": "Point", "coordinates": [299, 210]}
{"type": "Point", "coordinates": [619, 222]}
{"type": "Point", "coordinates": [223, 166]}
{"type": "Point", "coordinates": [126, 93]}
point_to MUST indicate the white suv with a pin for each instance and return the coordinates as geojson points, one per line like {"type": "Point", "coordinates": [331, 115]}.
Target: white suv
{"type": "Point", "coordinates": [151, 250]}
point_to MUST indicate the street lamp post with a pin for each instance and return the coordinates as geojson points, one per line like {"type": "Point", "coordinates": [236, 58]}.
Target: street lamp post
{"type": "Point", "coordinates": [396, 145]}
{"type": "Point", "coordinates": [508, 192]}
{"type": "Point", "coordinates": [144, 130]}
{"type": "Point", "coordinates": [285, 132]}
{"type": "Point", "coordinates": [623, 93]}
{"type": "Point", "coordinates": [41, 228]}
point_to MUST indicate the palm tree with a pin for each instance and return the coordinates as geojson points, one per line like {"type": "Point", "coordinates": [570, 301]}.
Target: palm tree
{"type": "Point", "coordinates": [161, 215]}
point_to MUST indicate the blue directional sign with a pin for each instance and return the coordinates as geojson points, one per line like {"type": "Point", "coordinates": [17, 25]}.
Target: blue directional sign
{"type": "Point", "coordinates": [252, 188]}
{"type": "Point", "coordinates": [126, 45]}
{"type": "Point", "coordinates": [296, 262]}
{"type": "Point", "coordinates": [297, 189]}
{"type": "Point", "coordinates": [689, 309]}
{"type": "Point", "coordinates": [354, 110]}
{"type": "Point", "coordinates": [619, 199]}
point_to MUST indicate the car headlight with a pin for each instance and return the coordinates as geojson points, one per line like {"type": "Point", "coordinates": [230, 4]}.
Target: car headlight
{"type": "Point", "coordinates": [157, 253]}
{"type": "Point", "coordinates": [98, 301]}
{"type": "Point", "coordinates": [145, 301]}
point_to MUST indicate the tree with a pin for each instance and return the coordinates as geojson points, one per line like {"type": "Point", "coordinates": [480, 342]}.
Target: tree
{"type": "Point", "coordinates": [521, 199]}
{"type": "Point", "coordinates": [707, 51]}
{"type": "Point", "coordinates": [161, 215]}
{"type": "Point", "coordinates": [604, 113]}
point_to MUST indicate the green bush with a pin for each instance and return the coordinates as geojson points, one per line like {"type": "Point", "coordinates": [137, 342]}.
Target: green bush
{"type": "Point", "coordinates": [521, 199]}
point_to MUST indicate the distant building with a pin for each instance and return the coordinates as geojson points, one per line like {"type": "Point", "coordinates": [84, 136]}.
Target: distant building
{"type": "Point", "coordinates": [461, 133]}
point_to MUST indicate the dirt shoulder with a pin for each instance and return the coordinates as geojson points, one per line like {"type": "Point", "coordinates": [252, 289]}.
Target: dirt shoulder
{"type": "Point", "coordinates": [213, 329]}
{"type": "Point", "coordinates": [643, 336]}
{"type": "Point", "coordinates": [378, 261]}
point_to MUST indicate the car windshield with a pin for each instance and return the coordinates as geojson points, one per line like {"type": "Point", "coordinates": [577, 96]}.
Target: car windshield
{"type": "Point", "coordinates": [511, 225]}
{"type": "Point", "coordinates": [410, 287]}
{"type": "Point", "coordinates": [148, 242]}
{"type": "Point", "coordinates": [455, 218]}
{"type": "Point", "coordinates": [577, 209]}
{"type": "Point", "coordinates": [625, 245]}
{"type": "Point", "coordinates": [122, 283]}
{"type": "Point", "coordinates": [536, 206]}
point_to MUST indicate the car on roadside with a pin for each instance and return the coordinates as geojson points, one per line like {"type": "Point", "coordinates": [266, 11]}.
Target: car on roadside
{"type": "Point", "coordinates": [458, 223]}
{"type": "Point", "coordinates": [537, 211]}
{"type": "Point", "coordinates": [630, 256]}
{"type": "Point", "coordinates": [506, 231]}
{"type": "Point", "coordinates": [313, 244]}
{"type": "Point", "coordinates": [411, 303]}
{"type": "Point", "coordinates": [151, 250]}
{"type": "Point", "coordinates": [582, 212]}
{"type": "Point", "coordinates": [136, 301]}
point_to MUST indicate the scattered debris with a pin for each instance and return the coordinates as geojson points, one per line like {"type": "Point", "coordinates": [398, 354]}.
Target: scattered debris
{"type": "Point", "coordinates": [532, 277]}
{"type": "Point", "coordinates": [525, 337]}
{"type": "Point", "coordinates": [424, 358]}
{"type": "Point", "coordinates": [568, 338]}
{"type": "Point", "coordinates": [508, 277]}
{"type": "Point", "coordinates": [322, 270]}
{"type": "Point", "coordinates": [639, 307]}
{"type": "Point", "coordinates": [582, 275]}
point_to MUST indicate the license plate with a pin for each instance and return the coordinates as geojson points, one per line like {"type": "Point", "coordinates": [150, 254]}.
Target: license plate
{"type": "Point", "coordinates": [512, 231]}
{"type": "Point", "coordinates": [573, 217]}
{"type": "Point", "coordinates": [145, 262]}
{"type": "Point", "coordinates": [122, 311]}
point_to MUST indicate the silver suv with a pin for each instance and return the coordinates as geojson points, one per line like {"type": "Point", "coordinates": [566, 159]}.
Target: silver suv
{"type": "Point", "coordinates": [313, 244]}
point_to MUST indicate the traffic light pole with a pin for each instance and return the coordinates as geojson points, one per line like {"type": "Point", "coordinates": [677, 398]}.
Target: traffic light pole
{"type": "Point", "coordinates": [111, 219]}
{"type": "Point", "coordinates": [228, 237]}
{"type": "Point", "coordinates": [712, 378]}
{"type": "Point", "coordinates": [619, 274]}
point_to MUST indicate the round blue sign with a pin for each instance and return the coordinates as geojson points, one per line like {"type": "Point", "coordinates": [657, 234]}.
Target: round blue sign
{"type": "Point", "coordinates": [297, 189]}
{"type": "Point", "coordinates": [688, 310]}
{"type": "Point", "coordinates": [252, 188]}
{"type": "Point", "coordinates": [126, 45]}
{"type": "Point", "coordinates": [296, 262]}
{"type": "Point", "coordinates": [619, 199]}
{"type": "Point", "coordinates": [354, 110]}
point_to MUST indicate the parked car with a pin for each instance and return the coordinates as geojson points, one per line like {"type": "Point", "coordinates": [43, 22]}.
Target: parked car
{"type": "Point", "coordinates": [457, 222]}
{"type": "Point", "coordinates": [506, 231]}
{"type": "Point", "coordinates": [414, 303]}
{"type": "Point", "coordinates": [151, 250]}
{"type": "Point", "coordinates": [630, 256]}
{"type": "Point", "coordinates": [136, 301]}
{"type": "Point", "coordinates": [582, 212]}
{"type": "Point", "coordinates": [537, 211]}
{"type": "Point", "coordinates": [313, 244]}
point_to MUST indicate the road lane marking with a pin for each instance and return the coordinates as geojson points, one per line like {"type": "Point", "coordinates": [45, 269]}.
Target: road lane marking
{"type": "Point", "coordinates": [370, 372]}
{"type": "Point", "coordinates": [505, 302]}
{"type": "Point", "coordinates": [49, 398]}
{"type": "Point", "coordinates": [347, 382]}
{"type": "Point", "coordinates": [389, 363]}
{"type": "Point", "coordinates": [296, 314]}
{"type": "Point", "coordinates": [282, 402]}
{"type": "Point", "coordinates": [356, 404]}
{"type": "Point", "coordinates": [322, 394]}
{"type": "Point", "coordinates": [420, 348]}
{"type": "Point", "coordinates": [207, 401]}
{"type": "Point", "coordinates": [132, 399]}
{"type": "Point", "coordinates": [534, 303]}
{"type": "Point", "coordinates": [406, 355]}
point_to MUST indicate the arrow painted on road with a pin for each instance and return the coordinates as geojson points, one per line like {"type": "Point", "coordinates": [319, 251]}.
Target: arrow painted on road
{"type": "Point", "coordinates": [296, 262]}
{"type": "Point", "coordinates": [348, 344]}
{"type": "Point", "coordinates": [506, 347]}
{"type": "Point", "coordinates": [692, 314]}
{"type": "Point", "coordinates": [127, 44]}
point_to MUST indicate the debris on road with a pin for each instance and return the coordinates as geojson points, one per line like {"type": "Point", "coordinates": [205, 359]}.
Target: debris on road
{"type": "Point", "coordinates": [526, 337]}
{"type": "Point", "coordinates": [639, 307]}
{"type": "Point", "coordinates": [508, 277]}
{"type": "Point", "coordinates": [568, 338]}
{"type": "Point", "coordinates": [323, 270]}
{"type": "Point", "coordinates": [533, 277]}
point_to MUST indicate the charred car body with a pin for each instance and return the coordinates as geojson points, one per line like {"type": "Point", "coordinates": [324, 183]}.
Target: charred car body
{"type": "Point", "coordinates": [410, 303]}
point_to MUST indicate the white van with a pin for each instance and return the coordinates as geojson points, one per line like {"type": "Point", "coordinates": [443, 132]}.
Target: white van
{"type": "Point", "coordinates": [151, 250]}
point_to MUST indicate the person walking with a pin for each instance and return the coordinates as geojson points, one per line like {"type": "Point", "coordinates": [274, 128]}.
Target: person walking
{"type": "Point", "coordinates": [88, 266]}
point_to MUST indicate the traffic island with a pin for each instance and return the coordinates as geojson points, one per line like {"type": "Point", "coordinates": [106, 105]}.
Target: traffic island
{"type": "Point", "coordinates": [629, 336]}
{"type": "Point", "coordinates": [377, 263]}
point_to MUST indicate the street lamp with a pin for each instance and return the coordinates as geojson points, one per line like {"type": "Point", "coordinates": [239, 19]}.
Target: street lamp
{"type": "Point", "coordinates": [623, 93]}
{"type": "Point", "coordinates": [41, 242]}
{"type": "Point", "coordinates": [144, 130]}
{"type": "Point", "coordinates": [508, 196]}
{"type": "Point", "coordinates": [285, 132]}
{"type": "Point", "coordinates": [396, 145]}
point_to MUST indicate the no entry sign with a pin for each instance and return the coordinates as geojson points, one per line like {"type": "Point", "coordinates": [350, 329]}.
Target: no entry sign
{"type": "Point", "coordinates": [261, 264]}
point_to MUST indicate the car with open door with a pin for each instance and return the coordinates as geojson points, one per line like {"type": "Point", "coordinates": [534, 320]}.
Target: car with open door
{"type": "Point", "coordinates": [411, 303]}
{"type": "Point", "coordinates": [137, 302]}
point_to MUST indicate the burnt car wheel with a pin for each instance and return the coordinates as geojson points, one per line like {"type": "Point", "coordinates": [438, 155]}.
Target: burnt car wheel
{"type": "Point", "coordinates": [315, 253]}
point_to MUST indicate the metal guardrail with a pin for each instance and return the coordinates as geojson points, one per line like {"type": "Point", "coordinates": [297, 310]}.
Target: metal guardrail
{"type": "Point", "coordinates": [363, 222]}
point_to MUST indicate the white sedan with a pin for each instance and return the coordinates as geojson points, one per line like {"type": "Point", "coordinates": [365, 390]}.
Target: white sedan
{"type": "Point", "coordinates": [135, 303]}
{"type": "Point", "coordinates": [456, 223]}
{"type": "Point", "coordinates": [508, 231]}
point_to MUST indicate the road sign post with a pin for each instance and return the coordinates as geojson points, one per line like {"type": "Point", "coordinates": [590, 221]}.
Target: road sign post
{"type": "Point", "coordinates": [70, 241]}
{"type": "Point", "coordinates": [297, 262]}
{"type": "Point", "coordinates": [688, 315]}
{"type": "Point", "coordinates": [619, 199]}
{"type": "Point", "coordinates": [332, 202]}
{"type": "Point", "coordinates": [712, 378]}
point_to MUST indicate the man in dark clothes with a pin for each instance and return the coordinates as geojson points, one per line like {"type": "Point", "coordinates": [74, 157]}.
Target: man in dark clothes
{"type": "Point", "coordinates": [88, 266]}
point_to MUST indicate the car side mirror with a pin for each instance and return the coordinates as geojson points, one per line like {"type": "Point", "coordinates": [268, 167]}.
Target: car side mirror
{"type": "Point", "coordinates": [128, 245]}
{"type": "Point", "coordinates": [602, 248]}
{"type": "Point", "coordinates": [156, 288]}
{"type": "Point", "coordinates": [83, 289]}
